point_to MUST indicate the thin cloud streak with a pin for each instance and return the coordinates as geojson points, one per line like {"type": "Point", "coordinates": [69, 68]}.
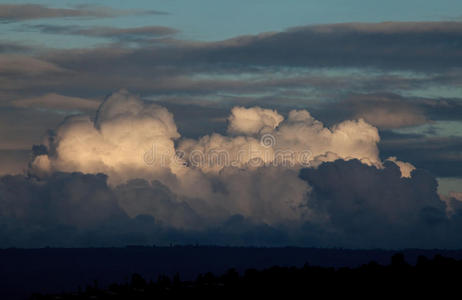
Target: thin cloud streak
{"type": "Point", "coordinates": [21, 12]}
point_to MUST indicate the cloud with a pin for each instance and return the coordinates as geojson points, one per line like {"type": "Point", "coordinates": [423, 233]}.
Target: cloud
{"type": "Point", "coordinates": [126, 130]}
{"type": "Point", "coordinates": [344, 204]}
{"type": "Point", "coordinates": [155, 190]}
{"type": "Point", "coordinates": [19, 12]}
{"type": "Point", "coordinates": [391, 117]}
{"type": "Point", "coordinates": [37, 213]}
{"type": "Point", "coordinates": [57, 102]}
{"type": "Point", "coordinates": [20, 64]}
{"type": "Point", "coordinates": [132, 139]}
{"type": "Point", "coordinates": [405, 167]}
{"type": "Point", "coordinates": [453, 202]}
{"type": "Point", "coordinates": [78, 210]}
{"type": "Point", "coordinates": [338, 46]}
{"type": "Point", "coordinates": [397, 45]}
{"type": "Point", "coordinates": [343, 46]}
{"type": "Point", "coordinates": [253, 193]}
{"type": "Point", "coordinates": [139, 197]}
{"type": "Point", "coordinates": [144, 33]}
{"type": "Point", "coordinates": [377, 206]}
{"type": "Point", "coordinates": [68, 199]}
{"type": "Point", "coordinates": [115, 142]}
{"type": "Point", "coordinates": [385, 111]}
{"type": "Point", "coordinates": [386, 27]}
{"type": "Point", "coordinates": [202, 72]}
{"type": "Point", "coordinates": [253, 121]}
{"type": "Point", "coordinates": [389, 111]}
{"type": "Point", "coordinates": [291, 65]}
{"type": "Point", "coordinates": [267, 139]}
{"type": "Point", "coordinates": [215, 175]}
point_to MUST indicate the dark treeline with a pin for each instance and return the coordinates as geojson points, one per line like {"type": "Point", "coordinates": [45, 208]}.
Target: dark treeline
{"type": "Point", "coordinates": [439, 275]}
{"type": "Point", "coordinates": [56, 270]}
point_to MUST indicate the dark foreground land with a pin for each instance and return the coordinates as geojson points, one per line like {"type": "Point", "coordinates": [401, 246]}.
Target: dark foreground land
{"type": "Point", "coordinates": [438, 277]}
{"type": "Point", "coordinates": [54, 270]}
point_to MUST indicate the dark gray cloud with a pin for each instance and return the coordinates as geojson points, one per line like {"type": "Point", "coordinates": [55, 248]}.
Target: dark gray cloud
{"type": "Point", "coordinates": [415, 46]}
{"type": "Point", "coordinates": [65, 201]}
{"type": "Point", "coordinates": [19, 12]}
{"type": "Point", "coordinates": [363, 207]}
{"type": "Point", "coordinates": [139, 197]}
{"type": "Point", "coordinates": [377, 208]}
{"type": "Point", "coordinates": [145, 33]}
{"type": "Point", "coordinates": [73, 209]}
{"type": "Point", "coordinates": [396, 45]}
{"type": "Point", "coordinates": [407, 46]}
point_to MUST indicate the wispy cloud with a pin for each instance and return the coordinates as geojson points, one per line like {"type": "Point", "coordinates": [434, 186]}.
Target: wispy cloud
{"type": "Point", "coordinates": [19, 12]}
{"type": "Point", "coordinates": [135, 34]}
{"type": "Point", "coordinates": [57, 102]}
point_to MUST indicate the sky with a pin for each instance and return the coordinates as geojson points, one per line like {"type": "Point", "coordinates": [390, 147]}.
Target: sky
{"type": "Point", "coordinates": [217, 20]}
{"type": "Point", "coordinates": [308, 123]}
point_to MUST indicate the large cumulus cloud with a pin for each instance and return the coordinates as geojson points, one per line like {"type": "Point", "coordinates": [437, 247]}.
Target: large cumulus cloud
{"type": "Point", "coordinates": [130, 139]}
{"type": "Point", "coordinates": [289, 179]}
